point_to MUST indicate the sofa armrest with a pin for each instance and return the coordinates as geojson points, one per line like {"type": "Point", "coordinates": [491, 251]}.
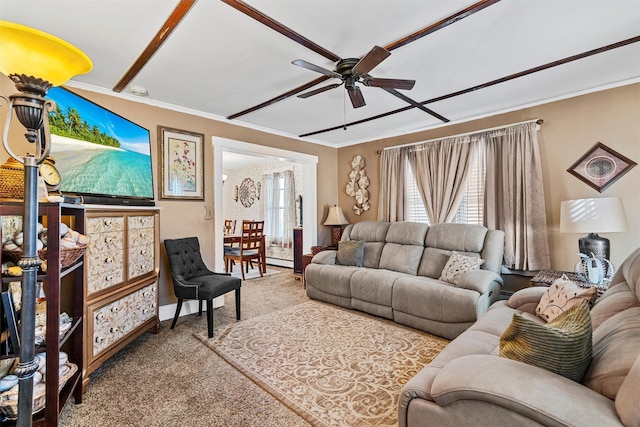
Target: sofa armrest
{"type": "Point", "coordinates": [533, 392]}
{"type": "Point", "coordinates": [527, 299]}
{"type": "Point", "coordinates": [482, 281]}
{"type": "Point", "coordinates": [325, 257]}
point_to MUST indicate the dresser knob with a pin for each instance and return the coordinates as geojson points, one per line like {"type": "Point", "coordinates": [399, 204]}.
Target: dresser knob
{"type": "Point", "coordinates": [107, 222]}
{"type": "Point", "coordinates": [114, 309]}
{"type": "Point", "coordinates": [143, 252]}
{"type": "Point", "coordinates": [99, 339]}
{"type": "Point", "coordinates": [108, 239]}
{"type": "Point", "coordinates": [100, 316]}
{"type": "Point", "coordinates": [113, 330]}
{"type": "Point", "coordinates": [108, 260]}
{"type": "Point", "coordinates": [108, 278]}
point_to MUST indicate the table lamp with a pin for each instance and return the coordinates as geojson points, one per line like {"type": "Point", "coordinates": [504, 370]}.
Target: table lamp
{"type": "Point", "coordinates": [35, 61]}
{"type": "Point", "coordinates": [336, 218]}
{"type": "Point", "coordinates": [596, 215]}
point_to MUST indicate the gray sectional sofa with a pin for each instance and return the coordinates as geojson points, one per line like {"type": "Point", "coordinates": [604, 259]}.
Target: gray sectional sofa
{"type": "Point", "coordinates": [399, 278]}
{"type": "Point", "coordinates": [468, 383]}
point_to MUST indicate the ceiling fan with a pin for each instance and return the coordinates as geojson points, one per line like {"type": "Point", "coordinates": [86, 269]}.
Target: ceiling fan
{"type": "Point", "coordinates": [354, 70]}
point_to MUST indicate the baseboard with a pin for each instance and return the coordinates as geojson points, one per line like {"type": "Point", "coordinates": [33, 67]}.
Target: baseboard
{"type": "Point", "coordinates": [280, 262]}
{"type": "Point", "coordinates": [166, 312]}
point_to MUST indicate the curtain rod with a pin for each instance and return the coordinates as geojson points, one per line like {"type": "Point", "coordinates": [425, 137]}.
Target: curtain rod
{"type": "Point", "coordinates": [538, 122]}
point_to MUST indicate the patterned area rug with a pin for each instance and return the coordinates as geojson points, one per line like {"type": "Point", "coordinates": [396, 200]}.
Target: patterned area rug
{"type": "Point", "coordinates": [252, 274]}
{"type": "Point", "coordinates": [333, 367]}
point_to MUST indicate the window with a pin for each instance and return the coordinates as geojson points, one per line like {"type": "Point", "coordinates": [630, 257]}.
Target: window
{"type": "Point", "coordinates": [279, 208]}
{"type": "Point", "coordinates": [471, 210]}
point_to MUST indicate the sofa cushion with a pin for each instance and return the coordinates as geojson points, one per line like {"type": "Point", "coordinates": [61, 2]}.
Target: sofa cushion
{"type": "Point", "coordinates": [456, 237]}
{"type": "Point", "coordinates": [457, 265]}
{"type": "Point", "coordinates": [562, 346]}
{"type": "Point", "coordinates": [561, 296]}
{"type": "Point", "coordinates": [407, 233]}
{"type": "Point", "coordinates": [402, 258]}
{"type": "Point", "coordinates": [350, 253]}
{"type": "Point", "coordinates": [369, 231]}
{"type": "Point", "coordinates": [616, 345]}
{"type": "Point", "coordinates": [615, 300]}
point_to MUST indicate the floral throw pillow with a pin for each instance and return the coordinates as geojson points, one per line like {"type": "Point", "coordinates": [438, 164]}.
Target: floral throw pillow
{"type": "Point", "coordinates": [457, 265]}
{"type": "Point", "coordinates": [561, 296]}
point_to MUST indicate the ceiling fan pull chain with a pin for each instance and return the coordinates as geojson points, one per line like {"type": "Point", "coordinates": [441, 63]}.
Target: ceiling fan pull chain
{"type": "Point", "coordinates": [344, 110]}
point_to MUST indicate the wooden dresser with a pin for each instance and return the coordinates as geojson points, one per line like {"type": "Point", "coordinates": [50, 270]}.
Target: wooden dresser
{"type": "Point", "coordinates": [121, 291]}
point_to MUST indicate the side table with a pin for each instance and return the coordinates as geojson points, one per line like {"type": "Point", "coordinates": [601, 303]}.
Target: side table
{"type": "Point", "coordinates": [306, 260]}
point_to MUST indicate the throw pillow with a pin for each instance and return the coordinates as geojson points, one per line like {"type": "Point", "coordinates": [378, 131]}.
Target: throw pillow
{"type": "Point", "coordinates": [457, 265]}
{"type": "Point", "coordinates": [561, 296]}
{"type": "Point", "coordinates": [562, 346]}
{"type": "Point", "coordinates": [350, 252]}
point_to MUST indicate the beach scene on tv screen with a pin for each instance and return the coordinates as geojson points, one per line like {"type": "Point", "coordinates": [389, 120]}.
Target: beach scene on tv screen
{"type": "Point", "coordinates": [98, 151]}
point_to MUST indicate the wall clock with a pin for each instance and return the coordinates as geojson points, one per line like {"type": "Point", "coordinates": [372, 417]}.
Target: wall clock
{"type": "Point", "coordinates": [247, 192]}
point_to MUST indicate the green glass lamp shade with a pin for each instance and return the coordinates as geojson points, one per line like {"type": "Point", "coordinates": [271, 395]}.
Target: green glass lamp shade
{"type": "Point", "coordinates": [30, 52]}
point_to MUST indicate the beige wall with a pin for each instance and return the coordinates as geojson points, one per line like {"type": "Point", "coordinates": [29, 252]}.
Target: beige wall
{"type": "Point", "coordinates": [187, 218]}
{"type": "Point", "coordinates": [571, 127]}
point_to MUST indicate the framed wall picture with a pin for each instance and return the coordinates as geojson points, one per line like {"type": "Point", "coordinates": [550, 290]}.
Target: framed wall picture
{"type": "Point", "coordinates": [600, 167]}
{"type": "Point", "coordinates": [182, 162]}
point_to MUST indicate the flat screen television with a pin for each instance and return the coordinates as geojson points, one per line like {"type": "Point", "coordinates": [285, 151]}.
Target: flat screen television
{"type": "Point", "coordinates": [101, 156]}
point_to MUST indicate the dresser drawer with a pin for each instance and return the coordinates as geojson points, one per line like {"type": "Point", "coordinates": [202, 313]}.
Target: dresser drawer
{"type": "Point", "coordinates": [112, 321]}
{"type": "Point", "coordinates": [104, 224]}
{"type": "Point", "coordinates": [105, 260]}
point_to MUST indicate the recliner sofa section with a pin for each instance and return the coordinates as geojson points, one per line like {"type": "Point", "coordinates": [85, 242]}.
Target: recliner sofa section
{"type": "Point", "coordinates": [399, 278]}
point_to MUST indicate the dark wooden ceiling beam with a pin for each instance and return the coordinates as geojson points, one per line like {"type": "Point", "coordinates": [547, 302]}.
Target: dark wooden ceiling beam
{"type": "Point", "coordinates": [546, 66]}
{"type": "Point", "coordinates": [282, 29]}
{"type": "Point", "coordinates": [474, 8]}
{"type": "Point", "coordinates": [170, 24]}
{"type": "Point", "coordinates": [280, 97]}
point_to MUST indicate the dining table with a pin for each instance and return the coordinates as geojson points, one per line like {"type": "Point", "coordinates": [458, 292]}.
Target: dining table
{"type": "Point", "coordinates": [233, 239]}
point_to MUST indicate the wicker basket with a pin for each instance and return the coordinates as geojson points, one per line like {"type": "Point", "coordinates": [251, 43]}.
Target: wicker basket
{"type": "Point", "coordinates": [12, 177]}
{"type": "Point", "coordinates": [9, 400]}
{"type": "Point", "coordinates": [68, 256]}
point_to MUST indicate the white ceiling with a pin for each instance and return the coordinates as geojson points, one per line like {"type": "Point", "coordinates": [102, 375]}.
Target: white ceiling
{"type": "Point", "coordinates": [218, 61]}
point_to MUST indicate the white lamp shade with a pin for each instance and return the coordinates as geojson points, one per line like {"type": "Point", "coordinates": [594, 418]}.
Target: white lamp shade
{"type": "Point", "coordinates": [597, 215]}
{"type": "Point", "coordinates": [335, 216]}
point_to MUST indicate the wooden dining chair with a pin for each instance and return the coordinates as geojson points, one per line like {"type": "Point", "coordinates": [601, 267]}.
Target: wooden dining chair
{"type": "Point", "coordinates": [250, 248]}
{"type": "Point", "coordinates": [230, 226]}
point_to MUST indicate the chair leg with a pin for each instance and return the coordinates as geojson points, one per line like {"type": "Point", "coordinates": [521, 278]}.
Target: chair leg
{"type": "Point", "coordinates": [210, 317]}
{"type": "Point", "coordinates": [199, 307]}
{"type": "Point", "coordinates": [238, 304]}
{"type": "Point", "coordinates": [175, 317]}
{"type": "Point", "coordinates": [242, 270]}
{"type": "Point", "coordinates": [260, 267]}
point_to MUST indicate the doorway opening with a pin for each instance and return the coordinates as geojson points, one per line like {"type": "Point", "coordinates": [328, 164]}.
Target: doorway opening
{"type": "Point", "coordinates": [305, 164]}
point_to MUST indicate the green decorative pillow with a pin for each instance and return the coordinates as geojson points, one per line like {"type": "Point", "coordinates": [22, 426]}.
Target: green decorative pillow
{"type": "Point", "coordinates": [561, 296]}
{"type": "Point", "coordinates": [457, 265]}
{"type": "Point", "coordinates": [350, 252]}
{"type": "Point", "coordinates": [562, 346]}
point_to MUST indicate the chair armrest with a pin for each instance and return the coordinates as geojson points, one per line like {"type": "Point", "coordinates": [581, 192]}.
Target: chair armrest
{"type": "Point", "coordinates": [527, 299]}
{"type": "Point", "coordinates": [482, 281]}
{"type": "Point", "coordinates": [325, 257]}
{"type": "Point", "coordinates": [536, 393]}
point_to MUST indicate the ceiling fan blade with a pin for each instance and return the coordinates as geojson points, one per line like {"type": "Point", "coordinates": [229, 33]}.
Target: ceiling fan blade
{"type": "Point", "coordinates": [416, 104]}
{"type": "Point", "coordinates": [357, 100]}
{"type": "Point", "coordinates": [319, 90]}
{"type": "Point", "coordinates": [370, 60]}
{"type": "Point", "coordinates": [390, 83]}
{"type": "Point", "coordinates": [282, 29]}
{"type": "Point", "coordinates": [309, 66]}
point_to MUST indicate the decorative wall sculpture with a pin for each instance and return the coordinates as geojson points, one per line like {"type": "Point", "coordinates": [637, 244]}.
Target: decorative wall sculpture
{"type": "Point", "coordinates": [357, 186]}
{"type": "Point", "coordinates": [247, 192]}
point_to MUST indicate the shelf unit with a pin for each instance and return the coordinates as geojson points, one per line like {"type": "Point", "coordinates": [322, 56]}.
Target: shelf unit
{"type": "Point", "coordinates": [68, 291]}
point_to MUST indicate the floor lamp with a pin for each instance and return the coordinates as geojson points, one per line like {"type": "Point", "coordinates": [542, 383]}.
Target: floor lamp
{"type": "Point", "coordinates": [24, 54]}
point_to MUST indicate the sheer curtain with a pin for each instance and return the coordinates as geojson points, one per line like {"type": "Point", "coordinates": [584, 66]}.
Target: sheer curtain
{"type": "Point", "coordinates": [392, 184]}
{"type": "Point", "coordinates": [514, 195]}
{"type": "Point", "coordinates": [279, 208]}
{"type": "Point", "coordinates": [442, 169]}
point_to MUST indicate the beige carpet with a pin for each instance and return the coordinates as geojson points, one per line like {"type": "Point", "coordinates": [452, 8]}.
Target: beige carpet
{"type": "Point", "coordinates": [333, 367]}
